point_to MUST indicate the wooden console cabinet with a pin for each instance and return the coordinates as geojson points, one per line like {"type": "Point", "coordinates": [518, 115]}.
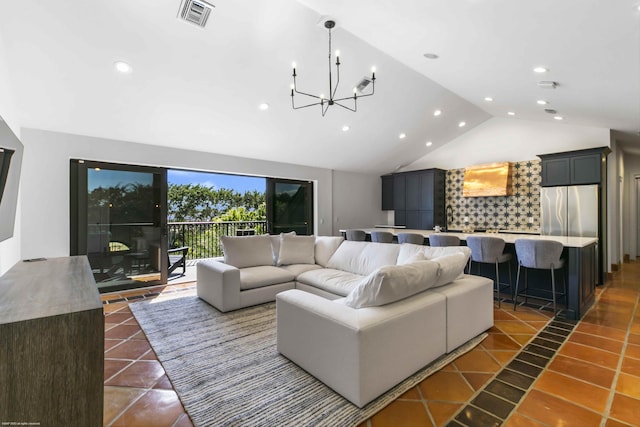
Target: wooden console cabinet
{"type": "Point", "coordinates": [51, 344]}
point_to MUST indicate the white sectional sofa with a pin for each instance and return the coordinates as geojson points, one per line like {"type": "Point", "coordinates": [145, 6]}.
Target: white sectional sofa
{"type": "Point", "coordinates": [359, 316]}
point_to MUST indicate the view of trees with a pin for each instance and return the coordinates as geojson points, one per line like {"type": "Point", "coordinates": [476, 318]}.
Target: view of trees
{"type": "Point", "coordinates": [202, 204]}
{"type": "Point", "coordinates": [199, 203]}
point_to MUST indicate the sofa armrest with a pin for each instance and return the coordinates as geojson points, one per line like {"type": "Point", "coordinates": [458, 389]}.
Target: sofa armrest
{"type": "Point", "coordinates": [360, 353]}
{"type": "Point", "coordinates": [218, 284]}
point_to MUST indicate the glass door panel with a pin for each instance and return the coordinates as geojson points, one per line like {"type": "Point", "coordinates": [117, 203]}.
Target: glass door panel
{"type": "Point", "coordinates": [289, 206]}
{"type": "Point", "coordinates": [120, 221]}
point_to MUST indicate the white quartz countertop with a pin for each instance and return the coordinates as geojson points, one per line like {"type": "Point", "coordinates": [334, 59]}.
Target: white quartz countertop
{"type": "Point", "coordinates": [567, 241]}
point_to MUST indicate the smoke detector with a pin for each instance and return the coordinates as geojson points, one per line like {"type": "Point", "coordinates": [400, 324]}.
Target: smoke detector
{"type": "Point", "coordinates": [547, 84]}
{"type": "Point", "coordinates": [363, 84]}
{"type": "Point", "coordinates": [195, 11]}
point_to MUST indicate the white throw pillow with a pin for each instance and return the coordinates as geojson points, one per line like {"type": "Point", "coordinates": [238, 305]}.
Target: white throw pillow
{"type": "Point", "coordinates": [247, 251]}
{"type": "Point", "coordinates": [450, 267]}
{"type": "Point", "coordinates": [393, 283]}
{"type": "Point", "coordinates": [297, 250]}
{"type": "Point", "coordinates": [275, 244]}
{"type": "Point", "coordinates": [363, 258]}
{"type": "Point", "coordinates": [413, 258]}
{"type": "Point", "coordinates": [326, 247]}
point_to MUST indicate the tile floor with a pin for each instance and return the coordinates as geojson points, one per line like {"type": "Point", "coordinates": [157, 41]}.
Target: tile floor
{"type": "Point", "coordinates": [571, 375]}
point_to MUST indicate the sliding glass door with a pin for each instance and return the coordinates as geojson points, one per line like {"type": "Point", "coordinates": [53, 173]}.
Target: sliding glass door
{"type": "Point", "coordinates": [289, 206]}
{"type": "Point", "coordinates": [118, 219]}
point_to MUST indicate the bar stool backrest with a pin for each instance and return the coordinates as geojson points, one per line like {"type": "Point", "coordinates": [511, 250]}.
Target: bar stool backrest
{"type": "Point", "coordinates": [381, 237]}
{"type": "Point", "coordinates": [542, 254]}
{"type": "Point", "coordinates": [440, 239]}
{"type": "Point", "coordinates": [485, 248]}
{"type": "Point", "coordinates": [357, 235]}
{"type": "Point", "coordinates": [414, 238]}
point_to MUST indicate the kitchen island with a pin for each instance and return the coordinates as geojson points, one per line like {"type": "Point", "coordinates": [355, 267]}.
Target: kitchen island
{"type": "Point", "coordinates": [580, 270]}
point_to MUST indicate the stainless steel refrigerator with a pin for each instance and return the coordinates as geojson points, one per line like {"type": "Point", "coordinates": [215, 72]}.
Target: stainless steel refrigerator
{"type": "Point", "coordinates": [571, 211]}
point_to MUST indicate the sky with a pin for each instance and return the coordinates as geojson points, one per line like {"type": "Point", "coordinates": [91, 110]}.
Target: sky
{"type": "Point", "coordinates": [239, 183]}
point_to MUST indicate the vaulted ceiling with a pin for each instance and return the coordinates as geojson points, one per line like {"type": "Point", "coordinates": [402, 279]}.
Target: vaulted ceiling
{"type": "Point", "coordinates": [200, 88]}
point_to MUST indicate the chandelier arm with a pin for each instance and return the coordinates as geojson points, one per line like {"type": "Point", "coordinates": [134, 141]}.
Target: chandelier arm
{"type": "Point", "coordinates": [305, 106]}
{"type": "Point", "coordinates": [324, 109]}
{"type": "Point", "coordinates": [307, 94]}
{"type": "Point", "coordinates": [335, 89]}
{"type": "Point", "coordinates": [355, 105]}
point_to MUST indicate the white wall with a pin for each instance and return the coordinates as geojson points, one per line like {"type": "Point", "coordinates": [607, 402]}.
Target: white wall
{"type": "Point", "coordinates": [357, 201]}
{"type": "Point", "coordinates": [629, 204]}
{"type": "Point", "coordinates": [510, 140]}
{"type": "Point", "coordinates": [45, 184]}
{"type": "Point", "coordinates": [9, 248]}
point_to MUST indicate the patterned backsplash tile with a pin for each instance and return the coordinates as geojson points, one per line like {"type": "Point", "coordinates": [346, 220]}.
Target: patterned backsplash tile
{"type": "Point", "coordinates": [503, 213]}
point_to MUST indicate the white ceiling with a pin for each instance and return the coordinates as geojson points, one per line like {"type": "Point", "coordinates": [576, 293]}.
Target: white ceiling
{"type": "Point", "coordinates": [200, 88]}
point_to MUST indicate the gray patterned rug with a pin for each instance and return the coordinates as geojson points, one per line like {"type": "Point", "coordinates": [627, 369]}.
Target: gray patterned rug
{"type": "Point", "coordinates": [227, 371]}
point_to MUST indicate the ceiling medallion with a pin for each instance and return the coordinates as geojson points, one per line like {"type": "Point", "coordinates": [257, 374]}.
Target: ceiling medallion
{"type": "Point", "coordinates": [348, 102]}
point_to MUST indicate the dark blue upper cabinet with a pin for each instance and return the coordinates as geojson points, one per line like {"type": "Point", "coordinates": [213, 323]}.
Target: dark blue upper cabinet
{"type": "Point", "coordinates": [574, 167]}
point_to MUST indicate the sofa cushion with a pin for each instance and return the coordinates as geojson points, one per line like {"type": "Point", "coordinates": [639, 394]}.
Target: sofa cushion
{"type": "Point", "coordinates": [298, 269]}
{"type": "Point", "coordinates": [393, 283]}
{"type": "Point", "coordinates": [451, 267]}
{"type": "Point", "coordinates": [326, 247]}
{"type": "Point", "coordinates": [363, 257]}
{"type": "Point", "coordinates": [257, 277]}
{"type": "Point", "coordinates": [407, 250]}
{"type": "Point", "coordinates": [297, 250]}
{"type": "Point", "coordinates": [275, 244]}
{"type": "Point", "coordinates": [334, 281]}
{"type": "Point", "coordinates": [247, 251]}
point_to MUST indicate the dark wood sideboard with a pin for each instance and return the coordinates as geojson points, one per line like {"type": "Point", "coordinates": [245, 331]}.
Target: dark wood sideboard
{"type": "Point", "coordinates": [51, 344]}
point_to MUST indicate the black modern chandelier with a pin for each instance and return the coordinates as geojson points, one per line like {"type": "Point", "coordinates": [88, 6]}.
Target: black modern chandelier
{"type": "Point", "coordinates": [324, 102]}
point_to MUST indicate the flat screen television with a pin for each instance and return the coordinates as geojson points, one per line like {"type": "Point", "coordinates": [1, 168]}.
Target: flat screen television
{"type": "Point", "coordinates": [10, 163]}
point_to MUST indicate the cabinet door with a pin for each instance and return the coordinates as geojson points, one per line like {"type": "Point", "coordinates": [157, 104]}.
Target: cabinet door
{"type": "Point", "coordinates": [400, 217]}
{"type": "Point", "coordinates": [555, 172]}
{"type": "Point", "coordinates": [426, 190]}
{"type": "Point", "coordinates": [387, 192]}
{"type": "Point", "coordinates": [413, 220]}
{"type": "Point", "coordinates": [426, 220]}
{"type": "Point", "coordinates": [586, 169]}
{"type": "Point", "coordinates": [413, 192]}
{"type": "Point", "coordinates": [399, 189]}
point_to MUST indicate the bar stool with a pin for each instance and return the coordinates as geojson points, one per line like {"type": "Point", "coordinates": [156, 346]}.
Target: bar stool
{"type": "Point", "coordinates": [414, 238]}
{"type": "Point", "coordinates": [489, 250]}
{"type": "Point", "coordinates": [440, 239]}
{"type": "Point", "coordinates": [541, 255]}
{"type": "Point", "coordinates": [381, 237]}
{"type": "Point", "coordinates": [357, 235]}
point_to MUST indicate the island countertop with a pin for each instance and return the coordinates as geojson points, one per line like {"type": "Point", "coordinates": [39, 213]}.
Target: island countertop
{"type": "Point", "coordinates": [567, 241]}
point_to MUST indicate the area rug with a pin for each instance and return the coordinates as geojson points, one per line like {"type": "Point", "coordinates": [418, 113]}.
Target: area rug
{"type": "Point", "coordinates": [227, 371]}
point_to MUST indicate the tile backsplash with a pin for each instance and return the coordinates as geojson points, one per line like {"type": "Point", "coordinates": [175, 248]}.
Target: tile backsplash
{"type": "Point", "coordinates": [504, 213]}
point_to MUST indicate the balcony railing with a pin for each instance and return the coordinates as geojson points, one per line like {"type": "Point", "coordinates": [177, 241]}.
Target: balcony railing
{"type": "Point", "coordinates": [203, 238]}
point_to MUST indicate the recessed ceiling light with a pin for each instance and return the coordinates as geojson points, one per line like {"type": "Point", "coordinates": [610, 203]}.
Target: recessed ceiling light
{"type": "Point", "coordinates": [488, 98]}
{"type": "Point", "coordinates": [263, 106]}
{"type": "Point", "coordinates": [429, 143]}
{"type": "Point", "coordinates": [402, 136]}
{"type": "Point", "coordinates": [541, 102]}
{"type": "Point", "coordinates": [558, 117]}
{"type": "Point", "coordinates": [437, 113]}
{"type": "Point", "coordinates": [540, 70]}
{"type": "Point", "coordinates": [462, 124]}
{"type": "Point", "coordinates": [511, 113]}
{"type": "Point", "coordinates": [345, 128]}
{"type": "Point", "coordinates": [122, 67]}
{"type": "Point", "coordinates": [431, 56]}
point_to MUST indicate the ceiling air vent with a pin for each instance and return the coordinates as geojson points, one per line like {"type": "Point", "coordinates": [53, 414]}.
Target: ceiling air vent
{"type": "Point", "coordinates": [550, 111]}
{"type": "Point", "coordinates": [195, 11]}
